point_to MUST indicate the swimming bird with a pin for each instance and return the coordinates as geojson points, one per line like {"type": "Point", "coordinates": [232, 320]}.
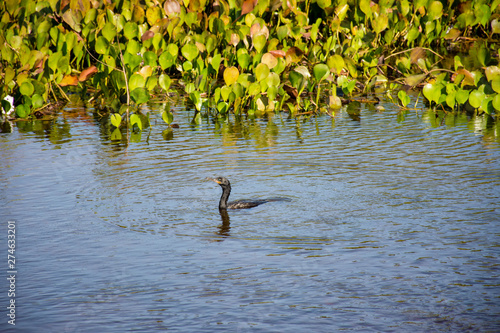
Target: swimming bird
{"type": "Point", "coordinates": [240, 204]}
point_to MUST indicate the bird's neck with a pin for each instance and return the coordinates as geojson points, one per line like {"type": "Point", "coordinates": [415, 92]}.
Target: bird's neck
{"type": "Point", "coordinates": [225, 196]}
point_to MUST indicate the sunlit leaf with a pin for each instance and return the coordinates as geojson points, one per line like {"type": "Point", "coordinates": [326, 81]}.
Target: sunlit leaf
{"type": "Point", "coordinates": [131, 30]}
{"type": "Point", "coordinates": [69, 80]}
{"type": "Point", "coordinates": [189, 51]}
{"type": "Point", "coordinates": [101, 45]}
{"type": "Point", "coordinates": [269, 59]}
{"type": "Point", "coordinates": [116, 119]}
{"type": "Point", "coordinates": [320, 72]}
{"type": "Point", "coordinates": [435, 10]}
{"type": "Point", "coordinates": [167, 116]}
{"type": "Point", "coordinates": [231, 75]}
{"type": "Point", "coordinates": [248, 6]}
{"type": "Point", "coordinates": [261, 71]}
{"type": "Point", "coordinates": [87, 73]}
{"type": "Point", "coordinates": [26, 88]}
{"type": "Point", "coordinates": [136, 120]}
{"type": "Point", "coordinates": [404, 98]}
{"type": "Point", "coordinates": [164, 81]}
{"type": "Point", "coordinates": [476, 98]}
{"type": "Point", "coordinates": [136, 81]}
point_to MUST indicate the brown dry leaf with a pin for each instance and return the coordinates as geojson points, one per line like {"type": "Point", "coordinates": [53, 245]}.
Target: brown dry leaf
{"type": "Point", "coordinates": [172, 8]}
{"type": "Point", "coordinates": [416, 54]}
{"type": "Point", "coordinates": [468, 79]}
{"type": "Point", "coordinates": [87, 73]}
{"type": "Point", "coordinates": [278, 53]}
{"type": "Point", "coordinates": [69, 80]}
{"type": "Point", "coordinates": [291, 91]}
{"type": "Point", "coordinates": [248, 6]}
{"type": "Point", "coordinates": [147, 35]}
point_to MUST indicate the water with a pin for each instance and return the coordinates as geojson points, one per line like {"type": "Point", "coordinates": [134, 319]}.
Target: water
{"type": "Point", "coordinates": [393, 224]}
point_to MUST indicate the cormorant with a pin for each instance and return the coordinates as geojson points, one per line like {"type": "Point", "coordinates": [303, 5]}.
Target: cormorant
{"type": "Point", "coordinates": [226, 190]}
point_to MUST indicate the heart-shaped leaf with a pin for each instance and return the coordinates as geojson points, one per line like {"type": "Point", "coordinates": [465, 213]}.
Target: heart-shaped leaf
{"type": "Point", "coordinates": [116, 119]}
{"type": "Point", "coordinates": [231, 75]}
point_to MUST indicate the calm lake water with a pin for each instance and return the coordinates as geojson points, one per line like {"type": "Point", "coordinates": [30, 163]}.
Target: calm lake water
{"type": "Point", "coordinates": [393, 223]}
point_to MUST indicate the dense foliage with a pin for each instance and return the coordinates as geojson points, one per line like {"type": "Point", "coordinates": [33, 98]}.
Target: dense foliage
{"type": "Point", "coordinates": [247, 56]}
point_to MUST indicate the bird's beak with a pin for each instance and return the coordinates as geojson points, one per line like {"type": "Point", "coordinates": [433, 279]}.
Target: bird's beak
{"type": "Point", "coordinates": [213, 179]}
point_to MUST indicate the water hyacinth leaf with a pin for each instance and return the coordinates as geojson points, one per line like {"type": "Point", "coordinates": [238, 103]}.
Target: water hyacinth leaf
{"type": "Point", "coordinates": [88, 73]}
{"type": "Point", "coordinates": [261, 71]}
{"type": "Point", "coordinates": [450, 99]}
{"type": "Point", "coordinates": [432, 92]}
{"type": "Point", "coordinates": [302, 70]}
{"type": "Point", "coordinates": [280, 67]}
{"type": "Point", "coordinates": [495, 85]}
{"type": "Point", "coordinates": [131, 30]}
{"type": "Point", "coordinates": [231, 75]}
{"type": "Point", "coordinates": [139, 95]}
{"type": "Point", "coordinates": [435, 10]}
{"type": "Point", "coordinates": [164, 82]}
{"type": "Point", "coordinates": [259, 42]}
{"type": "Point", "coordinates": [136, 81]}
{"type": "Point", "coordinates": [238, 90]}
{"type": "Point", "coordinates": [296, 79]}
{"type": "Point", "coordinates": [166, 60]}
{"type": "Point", "coordinates": [462, 96]}
{"type": "Point", "coordinates": [109, 31]}
{"type": "Point", "coordinates": [476, 98]}
{"type": "Point", "coordinates": [101, 45]}
{"type": "Point", "coordinates": [116, 119]}
{"type": "Point", "coordinates": [320, 72]}
{"type": "Point", "coordinates": [136, 120]}
{"type": "Point", "coordinates": [27, 88]}
{"type": "Point", "coordinates": [272, 92]}
{"type": "Point", "coordinates": [37, 101]}
{"type": "Point", "coordinates": [150, 58]}
{"type": "Point", "coordinates": [222, 107]}
{"type": "Point", "coordinates": [336, 63]}
{"type": "Point", "coordinates": [496, 102]}
{"type": "Point", "coordinates": [403, 98]}
{"type": "Point", "coordinates": [273, 80]}
{"type": "Point", "coordinates": [21, 111]}
{"type": "Point", "coordinates": [195, 97]}
{"type": "Point", "coordinates": [190, 51]}
{"type": "Point", "coordinates": [244, 60]}
{"type": "Point", "coordinates": [167, 117]}
{"type": "Point", "coordinates": [495, 26]}
{"type": "Point", "coordinates": [224, 92]}
{"type": "Point", "coordinates": [269, 60]}
{"type": "Point", "coordinates": [380, 23]}
{"type": "Point", "coordinates": [483, 55]}
{"type": "Point", "coordinates": [69, 80]}
{"type": "Point", "coordinates": [413, 80]}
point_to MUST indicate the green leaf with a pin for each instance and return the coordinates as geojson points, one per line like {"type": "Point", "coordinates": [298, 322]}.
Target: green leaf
{"type": "Point", "coordinates": [22, 111]}
{"type": "Point", "coordinates": [496, 102]}
{"type": "Point", "coordinates": [37, 101]}
{"type": "Point", "coordinates": [167, 117]}
{"type": "Point", "coordinates": [462, 96]}
{"type": "Point", "coordinates": [476, 98]}
{"type": "Point", "coordinates": [139, 95]}
{"type": "Point", "coordinates": [109, 31]}
{"type": "Point", "coordinates": [195, 97]}
{"type": "Point", "coordinates": [164, 82]}
{"type": "Point", "coordinates": [150, 59]}
{"type": "Point", "coordinates": [259, 42]}
{"type": "Point", "coordinates": [432, 92]}
{"type": "Point", "coordinates": [404, 98]}
{"type": "Point", "coordinates": [131, 30]}
{"type": "Point", "coordinates": [101, 45]}
{"type": "Point", "coordinates": [320, 72]}
{"type": "Point", "coordinates": [136, 81]}
{"type": "Point", "coordinates": [261, 71]}
{"type": "Point", "coordinates": [116, 119]}
{"type": "Point", "coordinates": [435, 10]}
{"type": "Point", "coordinates": [27, 88]}
{"type": "Point", "coordinates": [190, 51]}
{"type": "Point", "coordinates": [135, 119]}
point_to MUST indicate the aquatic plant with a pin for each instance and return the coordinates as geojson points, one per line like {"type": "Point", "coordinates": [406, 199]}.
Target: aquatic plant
{"type": "Point", "coordinates": [247, 56]}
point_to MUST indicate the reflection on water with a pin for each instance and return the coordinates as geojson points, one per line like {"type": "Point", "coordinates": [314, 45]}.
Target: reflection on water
{"type": "Point", "coordinates": [393, 222]}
